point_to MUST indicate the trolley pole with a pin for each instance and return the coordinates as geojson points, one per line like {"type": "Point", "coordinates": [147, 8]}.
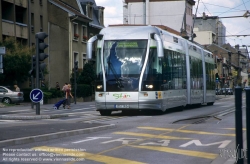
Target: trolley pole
{"type": "Point", "coordinates": [248, 122]}
{"type": "Point", "coordinates": [238, 124]}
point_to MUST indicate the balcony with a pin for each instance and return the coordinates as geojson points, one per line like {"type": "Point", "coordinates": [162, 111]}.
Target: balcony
{"type": "Point", "coordinates": [21, 30]}
{"type": "Point", "coordinates": [8, 29]}
{"type": "Point", "coordinates": [22, 3]}
{"type": "Point", "coordinates": [244, 61]}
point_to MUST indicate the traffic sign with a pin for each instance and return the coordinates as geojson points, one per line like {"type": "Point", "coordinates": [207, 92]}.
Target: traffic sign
{"type": "Point", "coordinates": [36, 95]}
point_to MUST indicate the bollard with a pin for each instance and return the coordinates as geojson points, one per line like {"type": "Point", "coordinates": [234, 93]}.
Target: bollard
{"type": "Point", "coordinates": [238, 125]}
{"type": "Point", "coordinates": [248, 122]}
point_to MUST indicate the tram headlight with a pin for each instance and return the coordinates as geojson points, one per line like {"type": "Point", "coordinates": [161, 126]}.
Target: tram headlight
{"type": "Point", "coordinates": [99, 86]}
{"type": "Point", "coordinates": [149, 86]}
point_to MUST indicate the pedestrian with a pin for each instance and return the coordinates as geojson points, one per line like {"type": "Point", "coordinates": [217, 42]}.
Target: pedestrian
{"type": "Point", "coordinates": [68, 96]}
{"type": "Point", "coordinates": [17, 88]}
{"type": "Point", "coordinates": [43, 84]}
{"type": "Point", "coordinates": [57, 86]}
{"type": "Point", "coordinates": [65, 87]}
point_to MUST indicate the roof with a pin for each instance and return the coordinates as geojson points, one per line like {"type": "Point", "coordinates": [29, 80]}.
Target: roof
{"type": "Point", "coordinates": [66, 7]}
{"type": "Point", "coordinates": [95, 21]}
{"type": "Point", "coordinates": [159, 26]}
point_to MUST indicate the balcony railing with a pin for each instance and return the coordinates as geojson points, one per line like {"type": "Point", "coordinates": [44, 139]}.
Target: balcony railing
{"type": "Point", "coordinates": [244, 61]}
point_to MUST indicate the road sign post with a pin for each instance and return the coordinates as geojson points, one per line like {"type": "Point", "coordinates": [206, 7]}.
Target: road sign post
{"type": "Point", "coordinates": [36, 96]}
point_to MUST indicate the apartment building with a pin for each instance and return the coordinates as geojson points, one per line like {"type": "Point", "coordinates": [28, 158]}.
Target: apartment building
{"type": "Point", "coordinates": [69, 24]}
{"type": "Point", "coordinates": [176, 14]}
{"type": "Point", "coordinates": [209, 30]}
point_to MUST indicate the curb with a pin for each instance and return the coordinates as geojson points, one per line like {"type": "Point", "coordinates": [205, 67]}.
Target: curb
{"type": "Point", "coordinates": [46, 137]}
{"type": "Point", "coordinates": [5, 117]}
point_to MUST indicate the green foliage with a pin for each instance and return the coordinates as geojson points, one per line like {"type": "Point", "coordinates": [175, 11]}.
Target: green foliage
{"type": "Point", "coordinates": [83, 90]}
{"type": "Point", "coordinates": [87, 75]}
{"type": "Point", "coordinates": [16, 62]}
{"type": "Point", "coordinates": [26, 94]}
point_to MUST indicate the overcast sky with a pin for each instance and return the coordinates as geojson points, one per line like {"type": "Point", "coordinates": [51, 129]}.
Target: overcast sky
{"type": "Point", "coordinates": [113, 14]}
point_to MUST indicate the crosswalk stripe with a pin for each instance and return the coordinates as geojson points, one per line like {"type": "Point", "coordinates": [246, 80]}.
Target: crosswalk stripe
{"type": "Point", "coordinates": [185, 131]}
{"type": "Point", "coordinates": [85, 155]}
{"type": "Point", "coordinates": [151, 135]}
{"type": "Point", "coordinates": [179, 151]}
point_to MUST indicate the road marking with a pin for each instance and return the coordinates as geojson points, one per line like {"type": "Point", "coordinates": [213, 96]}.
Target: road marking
{"type": "Point", "coordinates": [85, 155]}
{"type": "Point", "coordinates": [152, 135]}
{"type": "Point", "coordinates": [179, 151]}
{"type": "Point", "coordinates": [223, 144]}
{"type": "Point", "coordinates": [234, 128]}
{"type": "Point", "coordinates": [90, 139]}
{"type": "Point", "coordinates": [185, 131]}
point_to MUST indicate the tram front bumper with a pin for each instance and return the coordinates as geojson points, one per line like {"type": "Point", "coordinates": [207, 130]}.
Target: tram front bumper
{"type": "Point", "coordinates": [141, 105]}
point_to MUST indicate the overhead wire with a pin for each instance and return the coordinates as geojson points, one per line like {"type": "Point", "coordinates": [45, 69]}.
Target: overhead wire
{"type": "Point", "coordinates": [227, 12]}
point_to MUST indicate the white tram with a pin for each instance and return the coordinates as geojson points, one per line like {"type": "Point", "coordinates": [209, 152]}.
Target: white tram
{"type": "Point", "coordinates": [147, 68]}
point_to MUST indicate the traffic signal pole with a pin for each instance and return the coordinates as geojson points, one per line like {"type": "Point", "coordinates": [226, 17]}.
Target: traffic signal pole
{"type": "Point", "coordinates": [37, 73]}
{"type": "Point", "coordinates": [40, 56]}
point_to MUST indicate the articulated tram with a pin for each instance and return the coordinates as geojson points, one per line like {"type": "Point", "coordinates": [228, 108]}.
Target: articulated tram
{"type": "Point", "coordinates": [147, 68]}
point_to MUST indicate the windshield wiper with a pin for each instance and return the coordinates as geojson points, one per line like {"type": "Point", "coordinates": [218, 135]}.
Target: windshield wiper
{"type": "Point", "coordinates": [118, 81]}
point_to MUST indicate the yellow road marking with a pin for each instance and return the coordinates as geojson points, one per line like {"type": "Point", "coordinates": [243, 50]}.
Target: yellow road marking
{"type": "Point", "coordinates": [179, 151]}
{"type": "Point", "coordinates": [185, 131]}
{"type": "Point", "coordinates": [152, 135]}
{"type": "Point", "coordinates": [85, 155]}
{"type": "Point", "coordinates": [234, 128]}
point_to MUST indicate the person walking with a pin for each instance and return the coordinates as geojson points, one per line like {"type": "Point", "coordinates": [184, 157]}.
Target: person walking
{"type": "Point", "coordinates": [68, 96]}
{"type": "Point", "coordinates": [17, 88]}
{"type": "Point", "coordinates": [57, 86]}
{"type": "Point", "coordinates": [64, 88]}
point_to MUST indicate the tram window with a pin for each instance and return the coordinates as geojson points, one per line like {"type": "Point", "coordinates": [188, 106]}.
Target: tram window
{"type": "Point", "coordinates": [173, 70]}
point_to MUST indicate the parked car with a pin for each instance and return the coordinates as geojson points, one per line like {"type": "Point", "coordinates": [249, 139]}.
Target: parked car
{"type": "Point", "coordinates": [223, 91]}
{"type": "Point", "coordinates": [247, 87]}
{"type": "Point", "coordinates": [229, 91]}
{"type": "Point", "coordinates": [217, 91]}
{"type": "Point", "coordinates": [8, 96]}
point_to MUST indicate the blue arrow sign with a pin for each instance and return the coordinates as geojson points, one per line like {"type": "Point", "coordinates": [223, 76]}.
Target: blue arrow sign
{"type": "Point", "coordinates": [36, 95]}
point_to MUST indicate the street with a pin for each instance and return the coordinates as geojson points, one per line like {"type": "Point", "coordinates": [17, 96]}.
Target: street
{"type": "Point", "coordinates": [195, 135]}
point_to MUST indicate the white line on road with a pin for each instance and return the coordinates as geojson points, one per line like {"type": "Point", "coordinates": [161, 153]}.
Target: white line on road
{"type": "Point", "coordinates": [91, 138]}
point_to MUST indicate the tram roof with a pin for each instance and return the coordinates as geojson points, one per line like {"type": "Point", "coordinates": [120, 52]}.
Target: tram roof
{"type": "Point", "coordinates": [128, 32]}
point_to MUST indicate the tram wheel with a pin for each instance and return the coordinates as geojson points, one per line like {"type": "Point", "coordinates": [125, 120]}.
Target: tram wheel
{"type": "Point", "coordinates": [105, 113]}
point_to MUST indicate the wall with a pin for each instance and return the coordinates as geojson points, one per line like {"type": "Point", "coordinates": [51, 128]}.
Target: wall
{"type": "Point", "coordinates": [58, 46]}
{"type": "Point", "coordinates": [160, 13]}
{"type": "Point", "coordinates": [203, 37]}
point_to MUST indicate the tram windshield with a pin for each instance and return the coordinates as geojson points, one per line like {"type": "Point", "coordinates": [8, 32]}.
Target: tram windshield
{"type": "Point", "coordinates": [123, 61]}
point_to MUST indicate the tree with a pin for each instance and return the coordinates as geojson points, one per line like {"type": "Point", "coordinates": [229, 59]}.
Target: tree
{"type": "Point", "coordinates": [16, 62]}
{"type": "Point", "coordinates": [87, 75]}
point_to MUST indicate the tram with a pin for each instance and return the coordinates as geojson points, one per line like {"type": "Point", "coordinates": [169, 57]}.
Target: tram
{"type": "Point", "coordinates": [147, 68]}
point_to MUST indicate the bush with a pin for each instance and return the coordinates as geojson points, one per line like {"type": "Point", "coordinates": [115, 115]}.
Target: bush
{"type": "Point", "coordinates": [26, 94]}
{"type": "Point", "coordinates": [83, 90]}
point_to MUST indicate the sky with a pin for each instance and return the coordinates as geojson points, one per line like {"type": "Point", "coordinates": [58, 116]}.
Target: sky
{"type": "Point", "coordinates": [113, 14]}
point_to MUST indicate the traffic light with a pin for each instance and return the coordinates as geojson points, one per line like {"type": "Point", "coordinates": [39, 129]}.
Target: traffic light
{"type": "Point", "coordinates": [217, 77]}
{"type": "Point", "coordinates": [32, 72]}
{"type": "Point", "coordinates": [40, 55]}
{"type": "Point", "coordinates": [76, 66]}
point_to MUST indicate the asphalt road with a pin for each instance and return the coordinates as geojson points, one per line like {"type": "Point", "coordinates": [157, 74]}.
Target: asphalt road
{"type": "Point", "coordinates": [174, 137]}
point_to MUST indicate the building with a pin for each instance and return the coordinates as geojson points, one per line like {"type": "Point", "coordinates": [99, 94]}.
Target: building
{"type": "Point", "coordinates": [68, 23]}
{"type": "Point", "coordinates": [160, 12]}
{"type": "Point", "coordinates": [209, 30]}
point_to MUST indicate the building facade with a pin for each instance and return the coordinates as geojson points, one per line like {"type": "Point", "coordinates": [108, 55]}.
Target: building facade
{"type": "Point", "coordinates": [68, 23]}
{"type": "Point", "coordinates": [160, 12]}
{"type": "Point", "coordinates": [209, 30]}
